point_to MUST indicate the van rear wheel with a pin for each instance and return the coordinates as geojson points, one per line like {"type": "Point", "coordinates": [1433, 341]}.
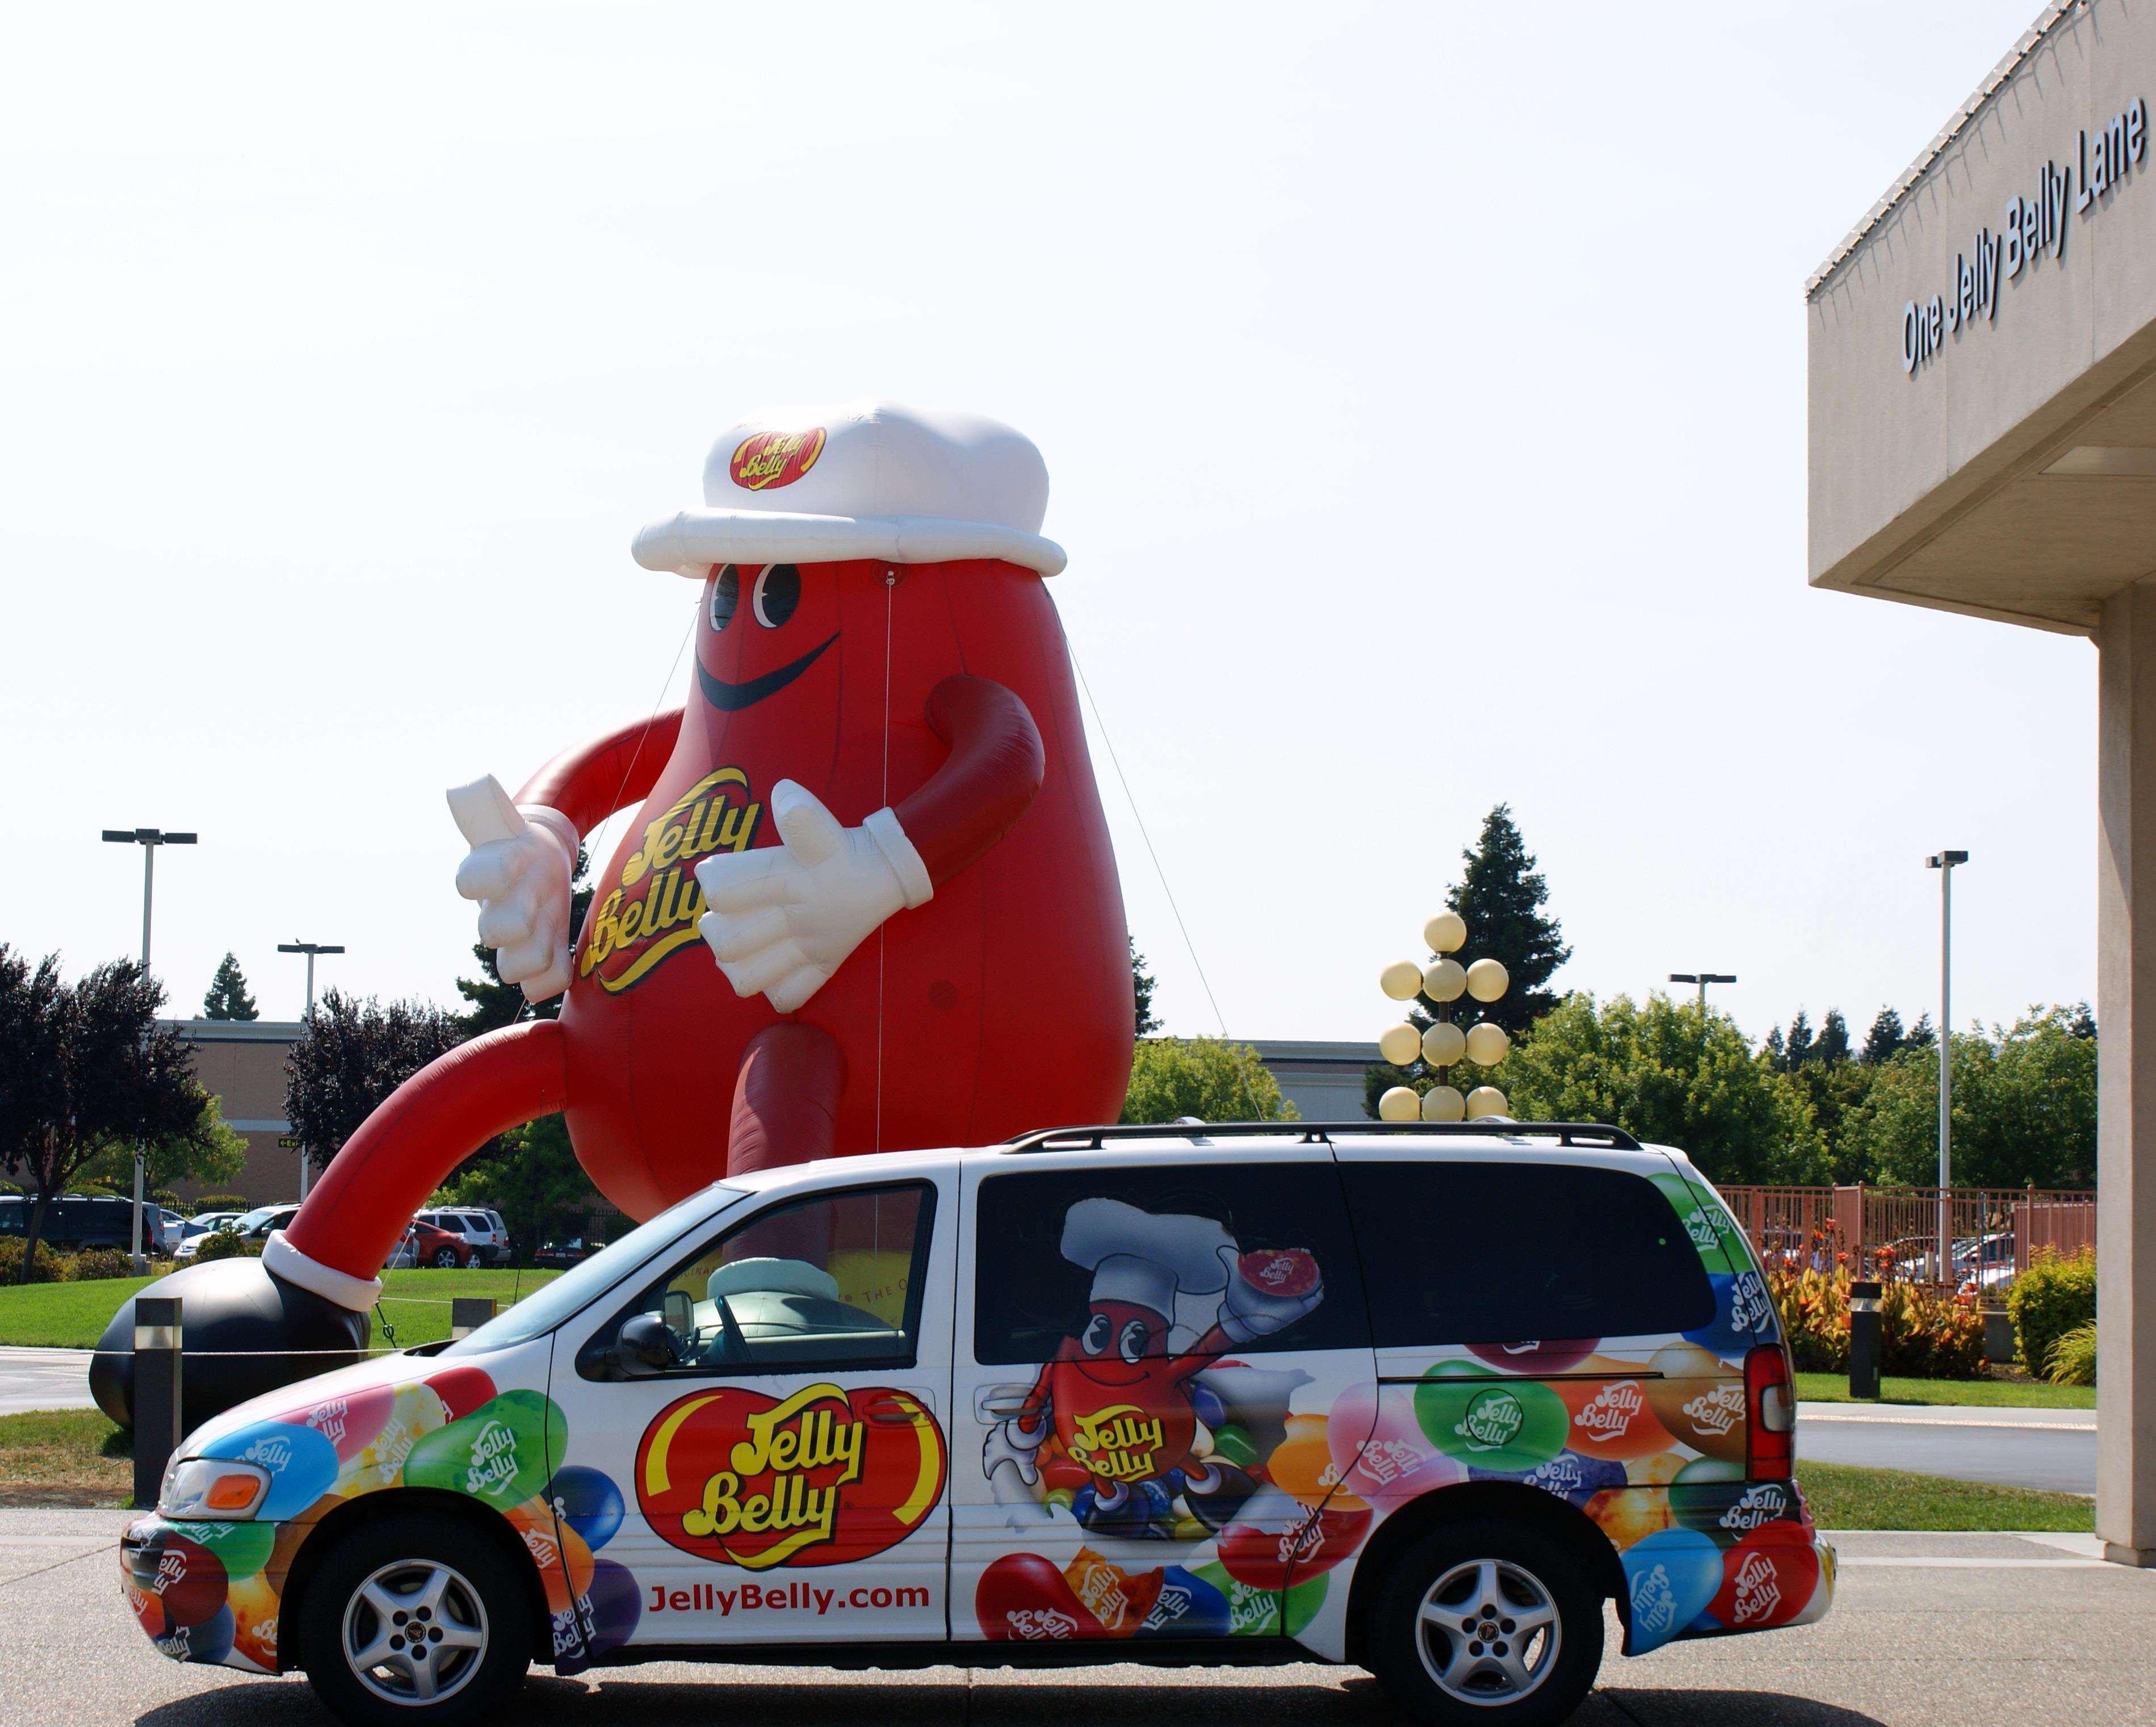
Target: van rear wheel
{"type": "Point", "coordinates": [1488, 1622]}
{"type": "Point", "coordinates": [412, 1622]}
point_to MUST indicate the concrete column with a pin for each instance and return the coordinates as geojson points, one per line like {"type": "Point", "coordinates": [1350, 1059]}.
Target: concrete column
{"type": "Point", "coordinates": [2126, 1115]}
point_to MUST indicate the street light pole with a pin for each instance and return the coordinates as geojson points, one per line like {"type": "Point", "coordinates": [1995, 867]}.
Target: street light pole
{"type": "Point", "coordinates": [310, 949]}
{"type": "Point", "coordinates": [1702, 979]}
{"type": "Point", "coordinates": [1944, 862]}
{"type": "Point", "coordinates": [149, 839]}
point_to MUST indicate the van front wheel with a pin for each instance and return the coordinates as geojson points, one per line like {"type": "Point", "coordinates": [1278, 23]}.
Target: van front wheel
{"type": "Point", "coordinates": [406, 1623]}
{"type": "Point", "coordinates": [1490, 1622]}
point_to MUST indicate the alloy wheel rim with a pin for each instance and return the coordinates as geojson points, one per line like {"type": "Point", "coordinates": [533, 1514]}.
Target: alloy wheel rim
{"type": "Point", "coordinates": [415, 1633]}
{"type": "Point", "coordinates": [1487, 1632]}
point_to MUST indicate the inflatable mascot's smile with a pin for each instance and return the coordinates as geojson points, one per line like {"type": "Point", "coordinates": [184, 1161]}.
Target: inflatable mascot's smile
{"type": "Point", "coordinates": [867, 902]}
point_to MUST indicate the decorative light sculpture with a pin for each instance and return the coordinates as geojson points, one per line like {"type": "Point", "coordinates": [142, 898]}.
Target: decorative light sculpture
{"type": "Point", "coordinates": [1441, 984]}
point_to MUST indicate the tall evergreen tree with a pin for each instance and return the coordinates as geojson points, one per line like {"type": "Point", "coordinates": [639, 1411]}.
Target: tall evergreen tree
{"type": "Point", "coordinates": [228, 998]}
{"type": "Point", "coordinates": [1502, 896]}
{"type": "Point", "coordinates": [1921, 1035]}
{"type": "Point", "coordinates": [1832, 1047]}
{"type": "Point", "coordinates": [1142, 984]}
{"type": "Point", "coordinates": [1797, 1047]}
{"type": "Point", "coordinates": [1884, 1040]}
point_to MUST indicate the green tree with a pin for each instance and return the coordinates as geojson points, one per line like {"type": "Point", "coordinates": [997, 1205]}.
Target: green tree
{"type": "Point", "coordinates": [1207, 1078]}
{"type": "Point", "coordinates": [207, 1151]}
{"type": "Point", "coordinates": [1501, 895]}
{"type": "Point", "coordinates": [1142, 988]}
{"type": "Point", "coordinates": [1832, 1045]}
{"type": "Point", "coordinates": [228, 998]}
{"type": "Point", "coordinates": [1669, 1074]}
{"type": "Point", "coordinates": [531, 1176]}
{"type": "Point", "coordinates": [2023, 1109]}
{"type": "Point", "coordinates": [1884, 1040]}
{"type": "Point", "coordinates": [85, 1069]}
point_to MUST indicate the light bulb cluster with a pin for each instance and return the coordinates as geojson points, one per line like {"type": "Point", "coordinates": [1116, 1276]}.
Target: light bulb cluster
{"type": "Point", "coordinates": [1442, 983]}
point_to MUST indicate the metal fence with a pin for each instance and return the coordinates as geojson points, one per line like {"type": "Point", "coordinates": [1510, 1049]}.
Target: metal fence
{"type": "Point", "coordinates": [1893, 1231]}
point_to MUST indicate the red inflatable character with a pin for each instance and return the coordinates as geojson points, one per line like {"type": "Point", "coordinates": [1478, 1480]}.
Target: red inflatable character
{"type": "Point", "coordinates": [868, 901]}
{"type": "Point", "coordinates": [1117, 1396]}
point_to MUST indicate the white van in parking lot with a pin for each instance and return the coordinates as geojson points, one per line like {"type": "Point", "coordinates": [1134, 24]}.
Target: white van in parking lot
{"type": "Point", "coordinates": [1420, 1399]}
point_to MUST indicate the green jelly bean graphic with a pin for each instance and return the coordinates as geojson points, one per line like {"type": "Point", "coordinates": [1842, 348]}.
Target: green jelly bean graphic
{"type": "Point", "coordinates": [1714, 1232]}
{"type": "Point", "coordinates": [243, 1549]}
{"type": "Point", "coordinates": [1505, 1425]}
{"type": "Point", "coordinates": [1255, 1612]}
{"type": "Point", "coordinates": [1233, 1444]}
{"type": "Point", "coordinates": [496, 1454]}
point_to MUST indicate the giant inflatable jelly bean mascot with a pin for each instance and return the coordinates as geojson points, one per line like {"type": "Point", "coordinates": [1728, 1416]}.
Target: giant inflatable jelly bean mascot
{"type": "Point", "coordinates": [867, 902]}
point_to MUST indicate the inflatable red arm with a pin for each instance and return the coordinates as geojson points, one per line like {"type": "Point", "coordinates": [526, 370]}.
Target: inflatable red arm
{"type": "Point", "coordinates": [590, 781]}
{"type": "Point", "coordinates": [986, 781]}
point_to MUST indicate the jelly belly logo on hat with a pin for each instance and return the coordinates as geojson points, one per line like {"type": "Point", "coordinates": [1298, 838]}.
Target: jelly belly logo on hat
{"type": "Point", "coordinates": [743, 1479]}
{"type": "Point", "coordinates": [652, 913]}
{"type": "Point", "coordinates": [764, 459]}
{"type": "Point", "coordinates": [1491, 1419]}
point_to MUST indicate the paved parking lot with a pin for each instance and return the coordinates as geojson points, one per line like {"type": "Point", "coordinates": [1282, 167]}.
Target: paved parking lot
{"type": "Point", "coordinates": [1962, 1631]}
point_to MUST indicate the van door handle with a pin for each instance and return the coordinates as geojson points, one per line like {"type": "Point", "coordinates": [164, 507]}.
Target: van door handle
{"type": "Point", "coordinates": [892, 1413]}
{"type": "Point", "coordinates": [999, 1403]}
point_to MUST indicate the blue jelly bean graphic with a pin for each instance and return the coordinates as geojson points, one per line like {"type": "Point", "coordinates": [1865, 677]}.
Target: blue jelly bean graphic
{"type": "Point", "coordinates": [1207, 1407]}
{"type": "Point", "coordinates": [301, 1464]}
{"type": "Point", "coordinates": [588, 1502]}
{"type": "Point", "coordinates": [210, 1641]}
{"type": "Point", "coordinates": [615, 1605]}
{"type": "Point", "coordinates": [1744, 1315]}
{"type": "Point", "coordinates": [1669, 1577]}
{"type": "Point", "coordinates": [1568, 1475]}
{"type": "Point", "coordinates": [1187, 1606]}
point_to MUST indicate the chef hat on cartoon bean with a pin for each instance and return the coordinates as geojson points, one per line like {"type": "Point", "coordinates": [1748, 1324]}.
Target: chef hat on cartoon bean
{"type": "Point", "coordinates": [1136, 1257]}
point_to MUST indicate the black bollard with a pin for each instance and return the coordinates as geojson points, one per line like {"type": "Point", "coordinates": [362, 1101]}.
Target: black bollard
{"type": "Point", "coordinates": [157, 1392]}
{"type": "Point", "coordinates": [1863, 1340]}
{"type": "Point", "coordinates": [468, 1312]}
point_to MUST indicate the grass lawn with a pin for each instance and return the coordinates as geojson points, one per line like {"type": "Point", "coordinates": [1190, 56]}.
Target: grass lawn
{"type": "Point", "coordinates": [1844, 1497]}
{"type": "Point", "coordinates": [64, 1457]}
{"type": "Point", "coordinates": [1991, 1393]}
{"type": "Point", "coordinates": [72, 1316]}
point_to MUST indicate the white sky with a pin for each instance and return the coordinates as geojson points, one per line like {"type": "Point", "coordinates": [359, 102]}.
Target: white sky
{"type": "Point", "coordinates": [1421, 388]}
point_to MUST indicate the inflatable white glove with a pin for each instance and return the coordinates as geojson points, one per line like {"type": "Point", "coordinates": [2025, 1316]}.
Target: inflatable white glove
{"type": "Point", "coordinates": [1248, 1312]}
{"type": "Point", "coordinates": [1008, 1443]}
{"type": "Point", "coordinates": [518, 870]}
{"type": "Point", "coordinates": [784, 917]}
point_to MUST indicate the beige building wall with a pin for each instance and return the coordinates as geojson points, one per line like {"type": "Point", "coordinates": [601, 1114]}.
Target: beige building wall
{"type": "Point", "coordinates": [242, 1063]}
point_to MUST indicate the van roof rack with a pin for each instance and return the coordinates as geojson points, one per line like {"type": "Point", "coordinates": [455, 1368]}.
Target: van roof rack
{"type": "Point", "coordinates": [1583, 1135]}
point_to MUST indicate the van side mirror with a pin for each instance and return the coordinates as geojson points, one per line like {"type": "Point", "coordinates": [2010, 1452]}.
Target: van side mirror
{"type": "Point", "coordinates": [645, 1345]}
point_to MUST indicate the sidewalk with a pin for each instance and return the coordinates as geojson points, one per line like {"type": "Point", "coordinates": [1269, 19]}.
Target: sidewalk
{"type": "Point", "coordinates": [43, 1378]}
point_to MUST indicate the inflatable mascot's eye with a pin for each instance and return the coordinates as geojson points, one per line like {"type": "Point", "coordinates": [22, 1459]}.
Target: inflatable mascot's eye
{"type": "Point", "coordinates": [777, 592]}
{"type": "Point", "coordinates": [726, 597]}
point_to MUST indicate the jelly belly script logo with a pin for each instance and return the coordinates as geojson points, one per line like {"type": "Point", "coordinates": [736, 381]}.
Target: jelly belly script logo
{"type": "Point", "coordinates": [764, 459]}
{"type": "Point", "coordinates": [1491, 1422]}
{"type": "Point", "coordinates": [1118, 1444]}
{"type": "Point", "coordinates": [652, 911]}
{"type": "Point", "coordinates": [743, 1479]}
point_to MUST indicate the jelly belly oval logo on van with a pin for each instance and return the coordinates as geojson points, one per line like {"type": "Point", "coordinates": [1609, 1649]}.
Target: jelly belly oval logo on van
{"type": "Point", "coordinates": [765, 459]}
{"type": "Point", "coordinates": [1491, 1420]}
{"type": "Point", "coordinates": [743, 1479]}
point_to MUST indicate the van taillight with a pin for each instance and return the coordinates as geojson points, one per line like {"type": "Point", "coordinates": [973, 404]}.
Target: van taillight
{"type": "Point", "coordinates": [1770, 1403]}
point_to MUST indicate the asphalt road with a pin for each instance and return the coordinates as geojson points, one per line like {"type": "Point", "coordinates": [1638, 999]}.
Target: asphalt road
{"type": "Point", "coordinates": [1949, 1630]}
{"type": "Point", "coordinates": [44, 1379]}
{"type": "Point", "coordinates": [2054, 1449]}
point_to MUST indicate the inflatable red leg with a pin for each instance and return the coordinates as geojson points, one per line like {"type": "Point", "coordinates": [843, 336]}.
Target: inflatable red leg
{"type": "Point", "coordinates": [786, 1098]}
{"type": "Point", "coordinates": [420, 1132]}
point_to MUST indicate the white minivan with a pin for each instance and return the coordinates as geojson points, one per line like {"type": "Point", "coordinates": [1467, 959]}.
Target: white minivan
{"type": "Point", "coordinates": [1418, 1398]}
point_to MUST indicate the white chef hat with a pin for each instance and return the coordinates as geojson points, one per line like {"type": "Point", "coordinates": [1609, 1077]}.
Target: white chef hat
{"type": "Point", "coordinates": [1137, 1257]}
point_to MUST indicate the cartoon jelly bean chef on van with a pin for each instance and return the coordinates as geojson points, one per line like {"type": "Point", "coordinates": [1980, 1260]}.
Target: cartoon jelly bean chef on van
{"type": "Point", "coordinates": [1117, 1395]}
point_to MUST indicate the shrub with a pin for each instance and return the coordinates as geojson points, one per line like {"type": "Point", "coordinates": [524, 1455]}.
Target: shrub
{"type": "Point", "coordinates": [2056, 1293]}
{"type": "Point", "coordinates": [100, 1262]}
{"type": "Point", "coordinates": [2073, 1356]}
{"type": "Point", "coordinates": [222, 1244]}
{"type": "Point", "coordinates": [1923, 1333]}
{"type": "Point", "coordinates": [218, 1202]}
{"type": "Point", "coordinates": [49, 1267]}
{"type": "Point", "coordinates": [163, 1196]}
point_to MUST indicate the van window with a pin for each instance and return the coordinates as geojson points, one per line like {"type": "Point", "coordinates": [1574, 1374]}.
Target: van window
{"type": "Point", "coordinates": [816, 1284]}
{"type": "Point", "coordinates": [1149, 1260]}
{"type": "Point", "coordinates": [1503, 1253]}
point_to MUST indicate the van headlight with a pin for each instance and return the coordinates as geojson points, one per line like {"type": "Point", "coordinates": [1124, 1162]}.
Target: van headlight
{"type": "Point", "coordinates": [216, 1489]}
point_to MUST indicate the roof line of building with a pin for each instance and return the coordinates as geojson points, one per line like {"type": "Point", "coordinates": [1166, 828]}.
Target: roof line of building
{"type": "Point", "coordinates": [2031, 39]}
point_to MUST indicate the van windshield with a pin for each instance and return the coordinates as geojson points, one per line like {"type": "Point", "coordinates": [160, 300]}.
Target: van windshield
{"type": "Point", "coordinates": [547, 1307]}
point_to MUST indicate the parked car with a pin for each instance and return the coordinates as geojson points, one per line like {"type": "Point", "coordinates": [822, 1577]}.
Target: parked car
{"type": "Point", "coordinates": [1420, 1401]}
{"type": "Point", "coordinates": [196, 1228]}
{"type": "Point", "coordinates": [75, 1221]}
{"type": "Point", "coordinates": [426, 1244]}
{"type": "Point", "coordinates": [483, 1231]}
{"type": "Point", "coordinates": [560, 1256]}
{"type": "Point", "coordinates": [172, 1230]}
